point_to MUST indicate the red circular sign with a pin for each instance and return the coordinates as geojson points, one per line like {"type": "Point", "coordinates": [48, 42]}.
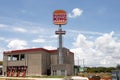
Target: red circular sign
{"type": "Point", "coordinates": [59, 17]}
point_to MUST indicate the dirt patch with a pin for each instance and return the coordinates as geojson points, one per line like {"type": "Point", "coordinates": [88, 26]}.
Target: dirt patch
{"type": "Point", "coordinates": [2, 79]}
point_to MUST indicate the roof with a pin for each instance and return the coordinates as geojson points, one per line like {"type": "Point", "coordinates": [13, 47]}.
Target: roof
{"type": "Point", "coordinates": [32, 50]}
{"type": "Point", "coordinates": [29, 50]}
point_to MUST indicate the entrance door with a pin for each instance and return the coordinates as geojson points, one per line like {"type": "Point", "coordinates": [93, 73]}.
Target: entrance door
{"type": "Point", "coordinates": [48, 72]}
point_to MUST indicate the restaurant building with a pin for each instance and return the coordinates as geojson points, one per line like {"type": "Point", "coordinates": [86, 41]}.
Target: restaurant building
{"type": "Point", "coordinates": [37, 62]}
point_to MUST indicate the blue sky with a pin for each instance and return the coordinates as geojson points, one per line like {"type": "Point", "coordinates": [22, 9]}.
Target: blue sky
{"type": "Point", "coordinates": [92, 29]}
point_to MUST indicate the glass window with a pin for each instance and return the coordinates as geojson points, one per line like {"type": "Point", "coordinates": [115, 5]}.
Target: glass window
{"type": "Point", "coordinates": [15, 57]}
{"type": "Point", "coordinates": [63, 72]}
{"type": "Point", "coordinates": [67, 53]}
{"type": "Point", "coordinates": [9, 57]}
{"type": "Point", "coordinates": [22, 57]}
{"type": "Point", "coordinates": [54, 73]}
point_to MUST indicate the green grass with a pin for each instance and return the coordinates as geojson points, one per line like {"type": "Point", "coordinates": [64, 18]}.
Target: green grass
{"type": "Point", "coordinates": [92, 74]}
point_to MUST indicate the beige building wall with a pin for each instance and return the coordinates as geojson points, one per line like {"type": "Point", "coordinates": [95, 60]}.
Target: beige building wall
{"type": "Point", "coordinates": [68, 57]}
{"type": "Point", "coordinates": [38, 62]}
{"type": "Point", "coordinates": [54, 58]}
{"type": "Point", "coordinates": [68, 63]}
{"type": "Point", "coordinates": [45, 62]}
{"type": "Point", "coordinates": [34, 63]}
{"type": "Point", "coordinates": [6, 62]}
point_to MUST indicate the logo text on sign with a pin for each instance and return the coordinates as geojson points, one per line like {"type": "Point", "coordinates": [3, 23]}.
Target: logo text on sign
{"type": "Point", "coordinates": [59, 17]}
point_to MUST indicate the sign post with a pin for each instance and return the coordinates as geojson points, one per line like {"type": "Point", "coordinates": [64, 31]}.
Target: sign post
{"type": "Point", "coordinates": [60, 18]}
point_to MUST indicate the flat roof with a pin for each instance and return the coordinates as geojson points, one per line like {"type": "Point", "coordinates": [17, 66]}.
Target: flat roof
{"type": "Point", "coordinates": [31, 50]}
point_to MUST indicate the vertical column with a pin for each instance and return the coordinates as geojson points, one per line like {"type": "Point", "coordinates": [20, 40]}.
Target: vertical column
{"type": "Point", "coordinates": [60, 33]}
{"type": "Point", "coordinates": [60, 45]}
{"type": "Point", "coordinates": [60, 18]}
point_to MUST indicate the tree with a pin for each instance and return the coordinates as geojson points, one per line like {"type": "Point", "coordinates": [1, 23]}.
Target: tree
{"type": "Point", "coordinates": [100, 69]}
{"type": "Point", "coordinates": [118, 66]}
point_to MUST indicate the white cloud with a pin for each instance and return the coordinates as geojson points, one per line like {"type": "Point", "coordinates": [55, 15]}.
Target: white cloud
{"type": "Point", "coordinates": [85, 32]}
{"type": "Point", "coordinates": [3, 25]}
{"type": "Point", "coordinates": [38, 40]}
{"type": "Point", "coordinates": [34, 31]}
{"type": "Point", "coordinates": [103, 51]}
{"type": "Point", "coordinates": [4, 39]}
{"type": "Point", "coordinates": [107, 41]}
{"type": "Point", "coordinates": [18, 29]}
{"type": "Point", "coordinates": [1, 53]}
{"type": "Point", "coordinates": [75, 13]}
{"type": "Point", "coordinates": [54, 36]}
{"type": "Point", "coordinates": [49, 47]}
{"type": "Point", "coordinates": [82, 41]}
{"type": "Point", "coordinates": [17, 44]}
{"type": "Point", "coordinates": [107, 60]}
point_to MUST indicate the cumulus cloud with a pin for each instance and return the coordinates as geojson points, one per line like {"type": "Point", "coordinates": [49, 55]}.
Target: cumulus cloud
{"type": "Point", "coordinates": [103, 51]}
{"type": "Point", "coordinates": [17, 44]}
{"type": "Point", "coordinates": [75, 13]}
{"type": "Point", "coordinates": [38, 40]}
{"type": "Point", "coordinates": [18, 29]}
{"type": "Point", "coordinates": [83, 42]}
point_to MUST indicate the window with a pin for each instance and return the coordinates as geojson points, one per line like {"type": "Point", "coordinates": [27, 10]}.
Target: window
{"type": "Point", "coordinates": [9, 57]}
{"type": "Point", "coordinates": [15, 57]}
{"type": "Point", "coordinates": [63, 72]}
{"type": "Point", "coordinates": [22, 57]}
{"type": "Point", "coordinates": [67, 53]}
{"type": "Point", "coordinates": [54, 72]}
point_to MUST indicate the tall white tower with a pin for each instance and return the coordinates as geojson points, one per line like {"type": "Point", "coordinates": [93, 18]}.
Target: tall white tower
{"type": "Point", "coordinates": [60, 18]}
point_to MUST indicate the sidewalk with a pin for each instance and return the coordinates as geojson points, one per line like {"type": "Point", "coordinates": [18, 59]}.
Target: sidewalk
{"type": "Point", "coordinates": [20, 78]}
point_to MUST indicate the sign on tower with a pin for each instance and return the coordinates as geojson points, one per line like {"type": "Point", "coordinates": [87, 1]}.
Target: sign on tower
{"type": "Point", "coordinates": [59, 17]}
